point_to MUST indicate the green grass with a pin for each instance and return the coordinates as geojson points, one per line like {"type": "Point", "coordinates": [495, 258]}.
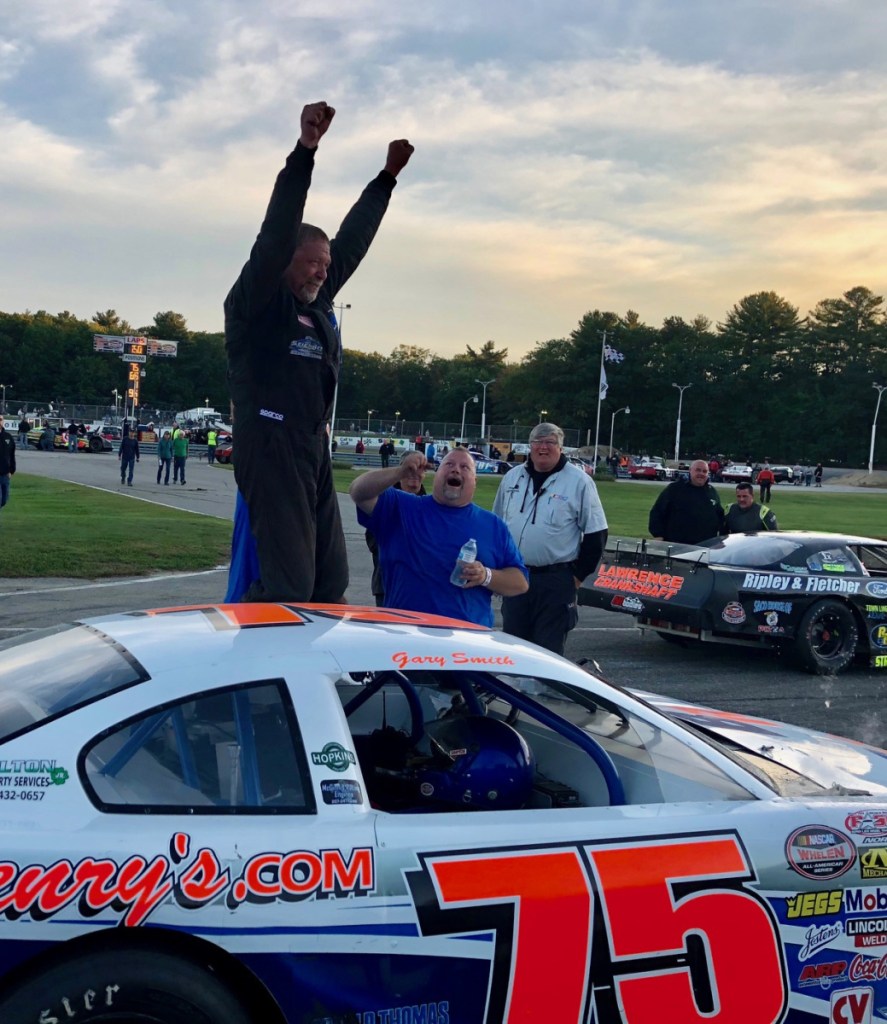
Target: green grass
{"type": "Point", "coordinates": [53, 528]}
{"type": "Point", "coordinates": [628, 505]}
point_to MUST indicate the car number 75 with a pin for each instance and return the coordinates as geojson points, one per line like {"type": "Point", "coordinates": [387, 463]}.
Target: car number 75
{"type": "Point", "coordinates": [673, 911]}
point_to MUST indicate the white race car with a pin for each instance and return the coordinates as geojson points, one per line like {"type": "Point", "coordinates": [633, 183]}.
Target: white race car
{"type": "Point", "coordinates": [281, 814]}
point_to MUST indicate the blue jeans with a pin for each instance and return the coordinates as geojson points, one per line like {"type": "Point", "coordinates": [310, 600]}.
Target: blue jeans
{"type": "Point", "coordinates": [4, 489]}
{"type": "Point", "coordinates": [23, 440]}
{"type": "Point", "coordinates": [127, 461]}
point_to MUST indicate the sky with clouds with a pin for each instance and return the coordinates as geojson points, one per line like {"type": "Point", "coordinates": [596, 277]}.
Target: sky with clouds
{"type": "Point", "coordinates": [666, 156]}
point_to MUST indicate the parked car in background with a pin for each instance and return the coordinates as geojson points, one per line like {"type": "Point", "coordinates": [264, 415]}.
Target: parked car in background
{"type": "Point", "coordinates": [737, 473]}
{"type": "Point", "coordinates": [820, 598]}
{"type": "Point", "coordinates": [225, 452]}
{"type": "Point", "coordinates": [90, 442]}
{"type": "Point", "coordinates": [650, 468]}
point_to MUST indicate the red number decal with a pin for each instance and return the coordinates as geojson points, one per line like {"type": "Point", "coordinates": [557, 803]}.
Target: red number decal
{"type": "Point", "coordinates": [551, 945]}
{"type": "Point", "coordinates": [657, 916]}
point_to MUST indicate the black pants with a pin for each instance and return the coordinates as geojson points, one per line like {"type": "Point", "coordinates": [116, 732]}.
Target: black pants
{"type": "Point", "coordinates": [765, 493]}
{"type": "Point", "coordinates": [286, 478]}
{"type": "Point", "coordinates": [546, 612]}
{"type": "Point", "coordinates": [160, 467]}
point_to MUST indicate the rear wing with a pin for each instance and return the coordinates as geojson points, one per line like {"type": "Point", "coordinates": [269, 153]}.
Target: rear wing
{"type": "Point", "coordinates": [642, 552]}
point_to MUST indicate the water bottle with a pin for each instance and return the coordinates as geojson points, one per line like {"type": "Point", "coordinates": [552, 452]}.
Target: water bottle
{"type": "Point", "coordinates": [467, 554]}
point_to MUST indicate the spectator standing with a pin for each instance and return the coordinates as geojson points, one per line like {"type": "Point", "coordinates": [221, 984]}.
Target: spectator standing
{"type": "Point", "coordinates": [7, 461]}
{"type": "Point", "coordinates": [817, 474]}
{"type": "Point", "coordinates": [212, 439]}
{"type": "Point", "coordinates": [128, 455]}
{"type": "Point", "coordinates": [766, 480]}
{"type": "Point", "coordinates": [179, 457]}
{"type": "Point", "coordinates": [430, 452]}
{"type": "Point", "coordinates": [23, 428]}
{"type": "Point", "coordinates": [797, 475]}
{"type": "Point", "coordinates": [284, 353]}
{"type": "Point", "coordinates": [808, 476]}
{"type": "Point", "coordinates": [687, 510]}
{"type": "Point", "coordinates": [359, 448]}
{"type": "Point", "coordinates": [164, 456]}
{"type": "Point", "coordinates": [420, 539]}
{"type": "Point", "coordinates": [746, 515]}
{"type": "Point", "coordinates": [555, 516]}
{"type": "Point", "coordinates": [386, 450]}
{"type": "Point", "coordinates": [72, 436]}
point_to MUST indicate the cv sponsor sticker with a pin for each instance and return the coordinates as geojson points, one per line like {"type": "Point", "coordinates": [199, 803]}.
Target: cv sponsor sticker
{"type": "Point", "coordinates": [852, 1006]}
{"type": "Point", "coordinates": [818, 851]}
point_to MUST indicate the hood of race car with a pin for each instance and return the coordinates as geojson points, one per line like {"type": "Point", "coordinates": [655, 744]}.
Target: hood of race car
{"type": "Point", "coordinates": [831, 761]}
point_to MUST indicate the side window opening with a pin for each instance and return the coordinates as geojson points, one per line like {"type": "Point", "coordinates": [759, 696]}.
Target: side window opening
{"type": "Point", "coordinates": [233, 750]}
{"type": "Point", "coordinates": [447, 741]}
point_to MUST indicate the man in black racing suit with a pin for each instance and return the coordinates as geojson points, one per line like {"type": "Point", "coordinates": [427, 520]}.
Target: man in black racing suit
{"type": "Point", "coordinates": [284, 353]}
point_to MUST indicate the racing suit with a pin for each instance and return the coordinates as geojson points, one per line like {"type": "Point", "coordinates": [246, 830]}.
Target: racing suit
{"type": "Point", "coordinates": [283, 364]}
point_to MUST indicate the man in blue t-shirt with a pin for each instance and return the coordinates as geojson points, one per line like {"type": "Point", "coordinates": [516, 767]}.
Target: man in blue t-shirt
{"type": "Point", "coordinates": [420, 538]}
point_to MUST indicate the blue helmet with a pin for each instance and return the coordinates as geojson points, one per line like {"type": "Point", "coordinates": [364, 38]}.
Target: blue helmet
{"type": "Point", "coordinates": [477, 763]}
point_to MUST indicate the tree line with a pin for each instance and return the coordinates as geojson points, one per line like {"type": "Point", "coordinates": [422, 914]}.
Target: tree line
{"type": "Point", "coordinates": [765, 382]}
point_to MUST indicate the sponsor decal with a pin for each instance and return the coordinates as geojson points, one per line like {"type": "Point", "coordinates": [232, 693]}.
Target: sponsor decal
{"type": "Point", "coordinates": [341, 791]}
{"type": "Point", "coordinates": [866, 968]}
{"type": "Point", "coordinates": [824, 975]}
{"type": "Point", "coordinates": [628, 603]}
{"type": "Point", "coordinates": [773, 606]}
{"type": "Point", "coordinates": [852, 1006]}
{"type": "Point", "coordinates": [402, 659]}
{"type": "Point", "coordinates": [733, 613]}
{"type": "Point", "coordinates": [879, 636]}
{"type": "Point", "coordinates": [772, 619]}
{"type": "Point", "coordinates": [307, 348]}
{"type": "Point", "coordinates": [875, 609]}
{"type": "Point", "coordinates": [661, 585]}
{"type": "Point", "coordinates": [414, 1013]}
{"type": "Point", "coordinates": [30, 778]}
{"type": "Point", "coordinates": [813, 904]}
{"type": "Point", "coordinates": [808, 585]}
{"type": "Point", "coordinates": [818, 936]}
{"type": "Point", "coordinates": [867, 931]}
{"type": "Point", "coordinates": [818, 851]}
{"type": "Point", "coordinates": [134, 888]}
{"type": "Point", "coordinates": [334, 756]}
{"type": "Point", "coordinates": [792, 568]}
{"type": "Point", "coordinates": [867, 823]}
{"type": "Point", "coordinates": [879, 661]}
{"type": "Point", "coordinates": [270, 414]}
{"type": "Point", "coordinates": [877, 588]}
{"type": "Point", "coordinates": [772, 630]}
{"type": "Point", "coordinates": [865, 900]}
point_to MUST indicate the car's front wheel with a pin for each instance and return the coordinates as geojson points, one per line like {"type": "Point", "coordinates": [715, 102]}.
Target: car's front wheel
{"type": "Point", "coordinates": [126, 985]}
{"type": "Point", "coordinates": [827, 637]}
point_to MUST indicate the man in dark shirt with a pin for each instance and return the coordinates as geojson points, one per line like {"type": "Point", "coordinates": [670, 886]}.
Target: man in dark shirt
{"type": "Point", "coordinates": [284, 353]}
{"type": "Point", "coordinates": [688, 511]}
{"type": "Point", "coordinates": [746, 515]}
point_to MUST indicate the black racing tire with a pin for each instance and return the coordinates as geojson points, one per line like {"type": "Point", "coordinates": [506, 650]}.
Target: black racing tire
{"type": "Point", "coordinates": [130, 985]}
{"type": "Point", "coordinates": [95, 444]}
{"type": "Point", "coordinates": [827, 637]}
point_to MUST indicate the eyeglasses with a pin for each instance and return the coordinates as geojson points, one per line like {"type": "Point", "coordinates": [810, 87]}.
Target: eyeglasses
{"type": "Point", "coordinates": [543, 444]}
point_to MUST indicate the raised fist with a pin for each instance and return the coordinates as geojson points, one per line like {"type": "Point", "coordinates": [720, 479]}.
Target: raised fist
{"type": "Point", "coordinates": [316, 119]}
{"type": "Point", "coordinates": [399, 153]}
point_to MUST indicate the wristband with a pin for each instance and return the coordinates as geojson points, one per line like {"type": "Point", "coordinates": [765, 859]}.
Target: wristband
{"type": "Point", "coordinates": [488, 575]}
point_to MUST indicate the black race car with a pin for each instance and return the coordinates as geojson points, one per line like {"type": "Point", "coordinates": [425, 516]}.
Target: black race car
{"type": "Point", "coordinates": [821, 596]}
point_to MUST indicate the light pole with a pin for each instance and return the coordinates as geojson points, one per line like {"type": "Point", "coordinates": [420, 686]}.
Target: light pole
{"type": "Point", "coordinates": [473, 398]}
{"type": "Point", "coordinates": [341, 308]}
{"type": "Point", "coordinates": [677, 438]}
{"type": "Point", "coordinates": [397, 421]}
{"type": "Point", "coordinates": [369, 413]}
{"type": "Point", "coordinates": [483, 416]}
{"type": "Point", "coordinates": [881, 389]}
{"type": "Point", "coordinates": [116, 395]}
{"type": "Point", "coordinates": [5, 386]}
{"type": "Point", "coordinates": [627, 412]}
{"type": "Point", "coordinates": [542, 412]}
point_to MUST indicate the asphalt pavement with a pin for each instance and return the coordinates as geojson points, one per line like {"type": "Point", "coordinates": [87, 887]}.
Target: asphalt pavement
{"type": "Point", "coordinates": [752, 682]}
